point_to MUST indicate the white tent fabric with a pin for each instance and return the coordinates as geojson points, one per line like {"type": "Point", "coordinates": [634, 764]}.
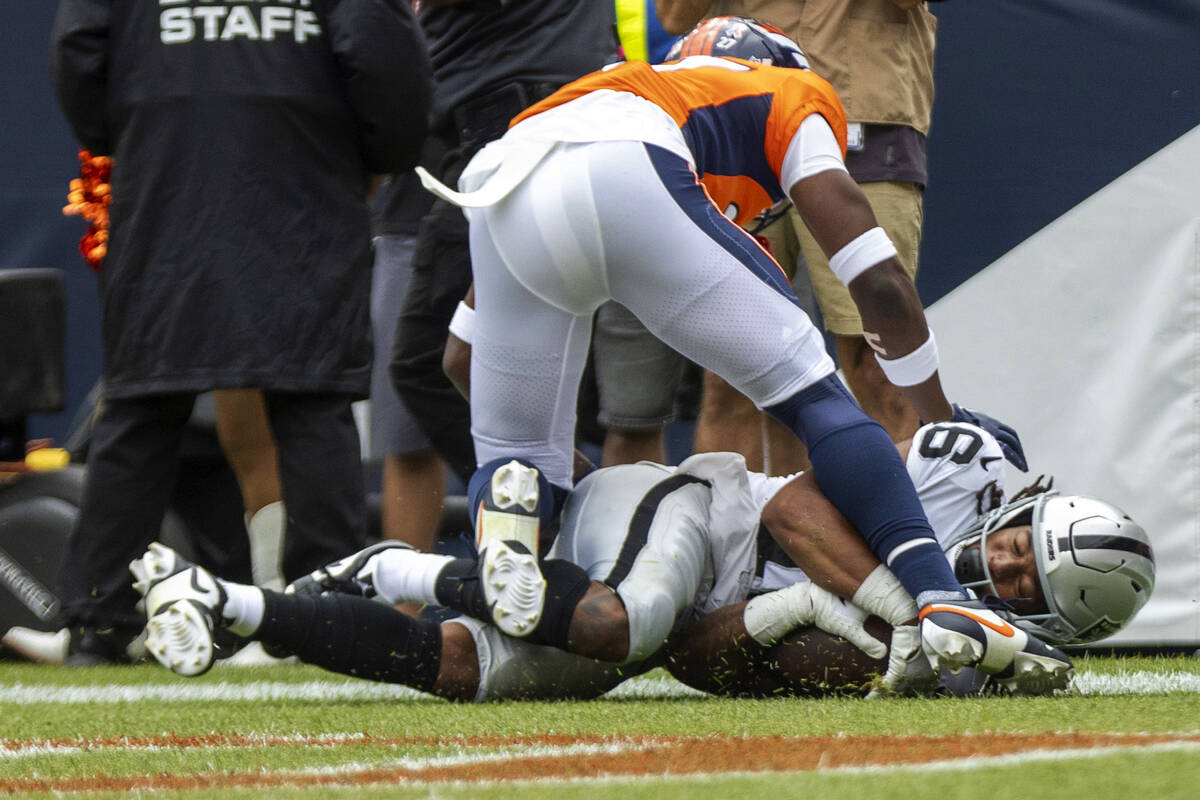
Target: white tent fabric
{"type": "Point", "coordinates": [1086, 339]}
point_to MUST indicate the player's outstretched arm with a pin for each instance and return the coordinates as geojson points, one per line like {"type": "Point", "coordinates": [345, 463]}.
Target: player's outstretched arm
{"type": "Point", "coordinates": [815, 535]}
{"type": "Point", "coordinates": [832, 553]}
{"type": "Point", "coordinates": [841, 220]}
{"type": "Point", "coordinates": [862, 256]}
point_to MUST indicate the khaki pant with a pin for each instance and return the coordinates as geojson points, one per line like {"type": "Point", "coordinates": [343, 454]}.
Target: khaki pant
{"type": "Point", "coordinates": [899, 209]}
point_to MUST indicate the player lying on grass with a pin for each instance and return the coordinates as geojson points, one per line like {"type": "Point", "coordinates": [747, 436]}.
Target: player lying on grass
{"type": "Point", "coordinates": [665, 546]}
{"type": "Point", "coordinates": [1074, 569]}
{"type": "Point", "coordinates": [632, 184]}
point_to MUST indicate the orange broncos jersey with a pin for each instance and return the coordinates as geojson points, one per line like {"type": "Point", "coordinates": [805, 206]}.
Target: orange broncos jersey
{"type": "Point", "coordinates": [737, 117]}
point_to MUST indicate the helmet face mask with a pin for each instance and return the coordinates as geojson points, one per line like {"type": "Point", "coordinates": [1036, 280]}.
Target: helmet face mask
{"type": "Point", "coordinates": [1095, 565]}
{"type": "Point", "coordinates": [739, 37]}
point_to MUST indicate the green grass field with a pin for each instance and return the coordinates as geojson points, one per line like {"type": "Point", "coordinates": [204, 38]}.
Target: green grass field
{"type": "Point", "coordinates": [299, 732]}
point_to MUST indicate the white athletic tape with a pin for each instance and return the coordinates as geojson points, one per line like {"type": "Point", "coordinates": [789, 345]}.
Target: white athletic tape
{"type": "Point", "coordinates": [462, 324]}
{"type": "Point", "coordinates": [882, 595]}
{"type": "Point", "coordinates": [913, 368]}
{"type": "Point", "coordinates": [862, 253]}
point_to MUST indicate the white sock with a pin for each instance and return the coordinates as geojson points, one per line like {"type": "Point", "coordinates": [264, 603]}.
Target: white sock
{"type": "Point", "coordinates": [266, 530]}
{"type": "Point", "coordinates": [403, 576]}
{"type": "Point", "coordinates": [244, 607]}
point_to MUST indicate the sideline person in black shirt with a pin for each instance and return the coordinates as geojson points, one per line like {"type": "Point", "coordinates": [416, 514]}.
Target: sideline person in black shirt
{"type": "Point", "coordinates": [243, 138]}
{"type": "Point", "coordinates": [491, 59]}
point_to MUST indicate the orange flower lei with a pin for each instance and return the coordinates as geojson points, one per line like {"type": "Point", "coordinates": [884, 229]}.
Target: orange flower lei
{"type": "Point", "coordinates": [88, 197]}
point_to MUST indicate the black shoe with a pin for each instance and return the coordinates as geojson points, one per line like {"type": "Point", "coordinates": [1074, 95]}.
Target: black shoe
{"type": "Point", "coordinates": [183, 610]}
{"type": "Point", "coordinates": [95, 647]}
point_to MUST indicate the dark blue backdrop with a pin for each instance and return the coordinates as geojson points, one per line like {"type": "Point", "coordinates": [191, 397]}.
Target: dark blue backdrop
{"type": "Point", "coordinates": [39, 159]}
{"type": "Point", "coordinates": [1040, 103]}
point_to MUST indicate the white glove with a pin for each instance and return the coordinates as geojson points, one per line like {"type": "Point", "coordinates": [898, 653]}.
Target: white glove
{"type": "Point", "coordinates": [909, 672]}
{"type": "Point", "coordinates": [769, 617]}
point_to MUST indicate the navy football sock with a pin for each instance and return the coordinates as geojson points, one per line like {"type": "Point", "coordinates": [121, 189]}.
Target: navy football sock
{"type": "Point", "coordinates": [861, 472]}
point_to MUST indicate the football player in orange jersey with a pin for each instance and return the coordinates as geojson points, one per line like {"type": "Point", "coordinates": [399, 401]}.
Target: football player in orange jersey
{"type": "Point", "coordinates": [632, 184]}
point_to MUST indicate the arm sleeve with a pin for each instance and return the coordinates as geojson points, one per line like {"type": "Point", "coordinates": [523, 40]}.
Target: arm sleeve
{"type": "Point", "coordinates": [79, 69]}
{"type": "Point", "coordinates": [385, 68]}
{"type": "Point", "coordinates": [813, 149]}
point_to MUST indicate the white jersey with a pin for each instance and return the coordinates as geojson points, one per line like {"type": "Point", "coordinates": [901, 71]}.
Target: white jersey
{"type": "Point", "coordinates": [678, 542]}
{"type": "Point", "coordinates": [957, 469]}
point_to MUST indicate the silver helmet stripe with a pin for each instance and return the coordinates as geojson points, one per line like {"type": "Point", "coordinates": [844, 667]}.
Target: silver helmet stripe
{"type": "Point", "coordinates": [1095, 542]}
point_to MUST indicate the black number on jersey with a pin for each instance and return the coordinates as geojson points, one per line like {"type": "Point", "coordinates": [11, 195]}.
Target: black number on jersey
{"type": "Point", "coordinates": [943, 440]}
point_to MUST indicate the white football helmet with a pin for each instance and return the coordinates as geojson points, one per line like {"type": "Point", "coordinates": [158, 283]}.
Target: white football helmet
{"type": "Point", "coordinates": [1095, 564]}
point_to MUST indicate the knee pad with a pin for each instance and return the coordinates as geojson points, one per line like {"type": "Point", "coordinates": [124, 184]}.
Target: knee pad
{"type": "Point", "coordinates": [566, 584]}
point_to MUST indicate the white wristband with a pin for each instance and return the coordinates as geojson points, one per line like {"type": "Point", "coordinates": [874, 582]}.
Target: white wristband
{"type": "Point", "coordinates": [914, 368]}
{"type": "Point", "coordinates": [861, 254]}
{"type": "Point", "coordinates": [462, 324]}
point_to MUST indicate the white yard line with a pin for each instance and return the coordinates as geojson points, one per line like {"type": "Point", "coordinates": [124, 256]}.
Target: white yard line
{"type": "Point", "coordinates": [964, 764]}
{"type": "Point", "coordinates": [971, 763]}
{"type": "Point", "coordinates": [14, 750]}
{"type": "Point", "coordinates": [1141, 682]}
{"type": "Point", "coordinates": [1086, 684]}
{"type": "Point", "coordinates": [466, 756]}
{"type": "Point", "coordinates": [22, 694]}
{"type": "Point", "coordinates": [490, 755]}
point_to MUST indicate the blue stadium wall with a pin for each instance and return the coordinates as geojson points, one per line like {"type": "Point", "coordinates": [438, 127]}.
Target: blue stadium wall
{"type": "Point", "coordinates": [1039, 104]}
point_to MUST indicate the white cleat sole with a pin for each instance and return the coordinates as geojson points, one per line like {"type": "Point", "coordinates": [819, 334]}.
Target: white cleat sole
{"type": "Point", "coordinates": [514, 495]}
{"type": "Point", "coordinates": [950, 649]}
{"type": "Point", "coordinates": [179, 638]}
{"type": "Point", "coordinates": [515, 484]}
{"type": "Point", "coordinates": [514, 589]}
{"type": "Point", "coordinates": [1035, 675]}
{"type": "Point", "coordinates": [157, 564]}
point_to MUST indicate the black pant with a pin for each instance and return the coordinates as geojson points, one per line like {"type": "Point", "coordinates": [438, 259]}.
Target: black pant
{"type": "Point", "coordinates": [441, 276]}
{"type": "Point", "coordinates": [131, 471]}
